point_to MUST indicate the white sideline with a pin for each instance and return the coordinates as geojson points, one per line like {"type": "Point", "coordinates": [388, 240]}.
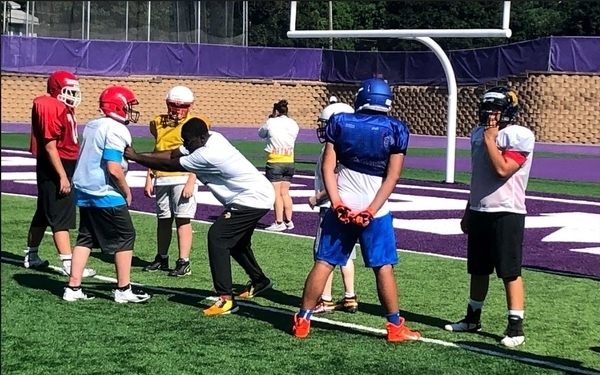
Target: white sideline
{"type": "Point", "coordinates": [357, 327]}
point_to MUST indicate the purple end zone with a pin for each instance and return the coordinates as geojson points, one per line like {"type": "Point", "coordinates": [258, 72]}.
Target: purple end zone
{"type": "Point", "coordinates": [562, 232]}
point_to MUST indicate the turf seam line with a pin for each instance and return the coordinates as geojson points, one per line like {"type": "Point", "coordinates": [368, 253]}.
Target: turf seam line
{"type": "Point", "coordinates": [358, 327]}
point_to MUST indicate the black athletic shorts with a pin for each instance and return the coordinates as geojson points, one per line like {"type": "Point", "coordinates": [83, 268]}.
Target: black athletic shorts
{"type": "Point", "coordinates": [495, 241]}
{"type": "Point", "coordinates": [109, 229]}
{"type": "Point", "coordinates": [53, 209]}
{"type": "Point", "coordinates": [280, 172]}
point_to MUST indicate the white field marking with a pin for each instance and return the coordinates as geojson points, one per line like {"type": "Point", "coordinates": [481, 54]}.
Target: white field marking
{"type": "Point", "coordinates": [312, 238]}
{"type": "Point", "coordinates": [416, 187]}
{"type": "Point", "coordinates": [357, 327]}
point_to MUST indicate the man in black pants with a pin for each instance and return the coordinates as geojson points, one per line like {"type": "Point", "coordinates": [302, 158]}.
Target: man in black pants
{"type": "Point", "coordinates": [246, 194]}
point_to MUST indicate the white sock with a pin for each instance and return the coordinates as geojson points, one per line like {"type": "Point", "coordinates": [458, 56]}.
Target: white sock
{"type": "Point", "coordinates": [66, 260]}
{"type": "Point", "coordinates": [475, 305]}
{"type": "Point", "coordinates": [31, 249]}
{"type": "Point", "coordinates": [519, 313]}
{"type": "Point", "coordinates": [349, 295]}
{"type": "Point", "coordinates": [186, 259]}
{"type": "Point", "coordinates": [326, 298]}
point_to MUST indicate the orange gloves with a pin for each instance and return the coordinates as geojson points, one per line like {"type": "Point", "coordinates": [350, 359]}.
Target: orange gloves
{"type": "Point", "coordinates": [346, 216]}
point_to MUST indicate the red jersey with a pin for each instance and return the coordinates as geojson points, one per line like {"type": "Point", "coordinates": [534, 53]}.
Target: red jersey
{"type": "Point", "coordinates": [51, 119]}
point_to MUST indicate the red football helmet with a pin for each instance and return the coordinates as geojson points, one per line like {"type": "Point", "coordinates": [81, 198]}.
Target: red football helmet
{"type": "Point", "coordinates": [64, 86]}
{"type": "Point", "coordinates": [117, 103]}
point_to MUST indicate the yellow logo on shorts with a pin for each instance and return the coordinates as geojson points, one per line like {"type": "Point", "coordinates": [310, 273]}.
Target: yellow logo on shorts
{"type": "Point", "coordinates": [227, 215]}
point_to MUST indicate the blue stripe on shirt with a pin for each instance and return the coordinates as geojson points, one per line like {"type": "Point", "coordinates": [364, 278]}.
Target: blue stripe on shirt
{"type": "Point", "coordinates": [110, 154]}
{"type": "Point", "coordinates": [103, 201]}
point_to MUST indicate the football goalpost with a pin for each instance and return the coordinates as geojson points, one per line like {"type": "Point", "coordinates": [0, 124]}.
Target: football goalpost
{"type": "Point", "coordinates": [423, 36]}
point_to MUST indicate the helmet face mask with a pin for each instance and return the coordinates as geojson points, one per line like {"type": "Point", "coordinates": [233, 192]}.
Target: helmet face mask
{"type": "Point", "coordinates": [177, 110]}
{"type": "Point", "coordinates": [117, 103]}
{"type": "Point", "coordinates": [64, 86]}
{"type": "Point", "coordinates": [321, 130]}
{"type": "Point", "coordinates": [500, 100]}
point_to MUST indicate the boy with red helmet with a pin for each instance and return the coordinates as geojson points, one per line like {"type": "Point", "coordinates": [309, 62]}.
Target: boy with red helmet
{"type": "Point", "coordinates": [103, 196]}
{"type": "Point", "coordinates": [55, 145]}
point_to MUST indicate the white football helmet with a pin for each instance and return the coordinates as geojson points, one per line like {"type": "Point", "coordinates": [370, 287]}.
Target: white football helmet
{"type": "Point", "coordinates": [179, 101]}
{"type": "Point", "coordinates": [327, 112]}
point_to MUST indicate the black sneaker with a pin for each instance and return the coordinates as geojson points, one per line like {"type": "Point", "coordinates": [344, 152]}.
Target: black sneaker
{"type": "Point", "coordinates": [514, 335]}
{"type": "Point", "coordinates": [159, 263]}
{"type": "Point", "coordinates": [470, 323]}
{"type": "Point", "coordinates": [252, 289]}
{"type": "Point", "coordinates": [182, 268]}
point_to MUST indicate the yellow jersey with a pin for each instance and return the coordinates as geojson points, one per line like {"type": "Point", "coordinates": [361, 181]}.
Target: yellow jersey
{"type": "Point", "coordinates": [167, 137]}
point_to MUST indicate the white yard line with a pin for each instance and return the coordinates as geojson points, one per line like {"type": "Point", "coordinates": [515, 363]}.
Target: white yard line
{"type": "Point", "coordinates": [357, 327]}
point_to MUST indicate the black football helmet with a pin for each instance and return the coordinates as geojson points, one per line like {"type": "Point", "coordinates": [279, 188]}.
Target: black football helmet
{"type": "Point", "coordinates": [501, 99]}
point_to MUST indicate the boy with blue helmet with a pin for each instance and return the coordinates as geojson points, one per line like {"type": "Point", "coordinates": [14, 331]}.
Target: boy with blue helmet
{"type": "Point", "coordinates": [368, 147]}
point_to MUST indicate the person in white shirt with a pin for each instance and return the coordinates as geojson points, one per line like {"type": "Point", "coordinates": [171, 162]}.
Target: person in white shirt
{"type": "Point", "coordinates": [321, 200]}
{"type": "Point", "coordinates": [280, 133]}
{"type": "Point", "coordinates": [246, 194]}
{"type": "Point", "coordinates": [103, 196]}
{"type": "Point", "coordinates": [494, 220]}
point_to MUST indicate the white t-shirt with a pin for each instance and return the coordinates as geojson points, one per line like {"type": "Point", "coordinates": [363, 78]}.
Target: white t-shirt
{"type": "Point", "coordinates": [490, 192]}
{"type": "Point", "coordinates": [231, 178]}
{"type": "Point", "coordinates": [280, 135]}
{"type": "Point", "coordinates": [319, 182]}
{"type": "Point", "coordinates": [104, 140]}
{"type": "Point", "coordinates": [357, 190]}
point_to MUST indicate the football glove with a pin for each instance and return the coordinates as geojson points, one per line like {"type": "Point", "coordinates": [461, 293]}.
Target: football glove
{"type": "Point", "coordinates": [344, 214]}
{"type": "Point", "coordinates": [363, 218]}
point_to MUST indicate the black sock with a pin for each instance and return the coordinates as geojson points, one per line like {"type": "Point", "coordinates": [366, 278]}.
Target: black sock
{"type": "Point", "coordinates": [124, 288]}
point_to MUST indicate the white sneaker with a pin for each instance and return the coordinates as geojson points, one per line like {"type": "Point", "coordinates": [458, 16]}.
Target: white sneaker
{"type": "Point", "coordinates": [130, 295]}
{"type": "Point", "coordinates": [33, 260]}
{"type": "Point", "coordinates": [276, 227]}
{"type": "Point", "coordinates": [73, 295]}
{"type": "Point", "coordinates": [289, 225]}
{"type": "Point", "coordinates": [511, 342]}
{"type": "Point", "coordinates": [87, 272]}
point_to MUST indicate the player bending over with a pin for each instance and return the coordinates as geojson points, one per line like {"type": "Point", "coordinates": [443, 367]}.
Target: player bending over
{"type": "Point", "coordinates": [349, 303]}
{"type": "Point", "coordinates": [175, 191]}
{"type": "Point", "coordinates": [103, 195]}
{"type": "Point", "coordinates": [494, 220]}
{"type": "Point", "coordinates": [370, 147]}
{"type": "Point", "coordinates": [245, 192]}
{"type": "Point", "coordinates": [55, 145]}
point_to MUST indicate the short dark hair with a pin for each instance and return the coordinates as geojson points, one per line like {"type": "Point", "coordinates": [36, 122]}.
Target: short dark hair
{"type": "Point", "coordinates": [195, 127]}
{"type": "Point", "coordinates": [281, 107]}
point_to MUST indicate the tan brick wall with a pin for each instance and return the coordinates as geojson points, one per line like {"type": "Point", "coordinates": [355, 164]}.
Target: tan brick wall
{"type": "Point", "coordinates": [558, 108]}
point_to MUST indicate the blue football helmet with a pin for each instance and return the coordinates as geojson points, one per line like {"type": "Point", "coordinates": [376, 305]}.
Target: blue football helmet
{"type": "Point", "coordinates": [374, 94]}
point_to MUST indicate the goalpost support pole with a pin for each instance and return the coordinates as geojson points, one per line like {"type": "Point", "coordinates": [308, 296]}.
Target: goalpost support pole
{"type": "Point", "coordinates": [423, 36]}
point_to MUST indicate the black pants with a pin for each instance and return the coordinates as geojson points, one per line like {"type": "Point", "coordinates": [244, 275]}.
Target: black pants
{"type": "Point", "coordinates": [495, 241]}
{"type": "Point", "coordinates": [231, 235]}
{"type": "Point", "coordinates": [53, 209]}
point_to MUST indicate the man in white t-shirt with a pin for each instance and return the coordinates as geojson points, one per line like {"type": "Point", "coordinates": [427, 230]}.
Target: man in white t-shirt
{"type": "Point", "coordinates": [246, 194]}
{"type": "Point", "coordinates": [494, 220]}
{"type": "Point", "coordinates": [103, 196]}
